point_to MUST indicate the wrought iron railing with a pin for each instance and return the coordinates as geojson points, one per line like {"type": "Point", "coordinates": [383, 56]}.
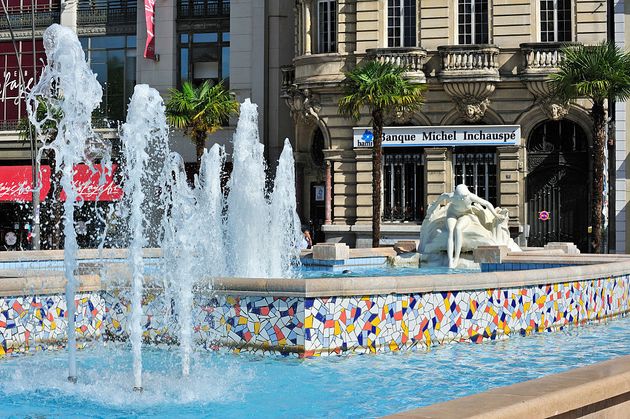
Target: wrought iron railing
{"type": "Point", "coordinates": [9, 125]}
{"type": "Point", "coordinates": [106, 13]}
{"type": "Point", "coordinates": [21, 17]}
{"type": "Point", "coordinates": [194, 9]}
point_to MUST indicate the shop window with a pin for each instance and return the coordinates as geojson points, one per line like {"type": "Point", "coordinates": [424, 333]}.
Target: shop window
{"type": "Point", "coordinates": [204, 56]}
{"type": "Point", "coordinates": [477, 169]}
{"type": "Point", "coordinates": [403, 186]}
{"type": "Point", "coordinates": [555, 20]}
{"type": "Point", "coordinates": [113, 60]}
{"type": "Point", "coordinates": [326, 26]}
{"type": "Point", "coordinates": [401, 23]}
{"type": "Point", "coordinates": [472, 22]}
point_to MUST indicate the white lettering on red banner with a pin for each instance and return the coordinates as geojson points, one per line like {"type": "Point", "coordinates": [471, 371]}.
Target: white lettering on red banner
{"type": "Point", "coordinates": [97, 185]}
{"type": "Point", "coordinates": [16, 183]}
{"type": "Point", "coordinates": [149, 16]}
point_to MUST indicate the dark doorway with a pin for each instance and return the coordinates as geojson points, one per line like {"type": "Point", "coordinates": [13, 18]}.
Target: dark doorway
{"type": "Point", "coordinates": [558, 184]}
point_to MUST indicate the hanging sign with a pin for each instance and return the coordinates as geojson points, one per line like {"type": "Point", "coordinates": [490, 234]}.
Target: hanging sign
{"type": "Point", "coordinates": [449, 136]}
{"type": "Point", "coordinates": [149, 16]}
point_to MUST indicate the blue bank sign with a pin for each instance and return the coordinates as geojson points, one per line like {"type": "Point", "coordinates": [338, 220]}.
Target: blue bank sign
{"type": "Point", "coordinates": [462, 135]}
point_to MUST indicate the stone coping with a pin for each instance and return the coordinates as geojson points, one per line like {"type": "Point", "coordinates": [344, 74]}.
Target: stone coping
{"type": "Point", "coordinates": [347, 286]}
{"type": "Point", "coordinates": [584, 267]}
{"type": "Point", "coordinates": [45, 283]}
{"type": "Point", "coordinates": [41, 255]}
{"type": "Point", "coordinates": [601, 389]}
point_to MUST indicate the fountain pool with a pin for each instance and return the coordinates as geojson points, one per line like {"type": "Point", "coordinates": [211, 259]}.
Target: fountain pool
{"type": "Point", "coordinates": [227, 385]}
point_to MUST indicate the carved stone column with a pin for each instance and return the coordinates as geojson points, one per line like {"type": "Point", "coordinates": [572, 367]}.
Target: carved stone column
{"type": "Point", "coordinates": [308, 27]}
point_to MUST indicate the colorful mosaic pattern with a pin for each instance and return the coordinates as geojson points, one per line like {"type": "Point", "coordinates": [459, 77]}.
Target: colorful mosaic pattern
{"type": "Point", "coordinates": [254, 323]}
{"type": "Point", "coordinates": [40, 321]}
{"type": "Point", "coordinates": [322, 326]}
{"type": "Point", "coordinates": [395, 322]}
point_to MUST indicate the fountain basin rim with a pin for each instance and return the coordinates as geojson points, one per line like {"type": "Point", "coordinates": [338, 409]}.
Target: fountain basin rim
{"type": "Point", "coordinates": [584, 267]}
{"type": "Point", "coordinates": [348, 286]}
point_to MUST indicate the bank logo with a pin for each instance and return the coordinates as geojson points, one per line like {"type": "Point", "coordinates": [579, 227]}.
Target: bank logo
{"type": "Point", "coordinates": [367, 136]}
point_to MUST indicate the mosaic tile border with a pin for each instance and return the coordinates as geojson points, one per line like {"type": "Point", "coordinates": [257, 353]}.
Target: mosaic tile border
{"type": "Point", "coordinates": [314, 326]}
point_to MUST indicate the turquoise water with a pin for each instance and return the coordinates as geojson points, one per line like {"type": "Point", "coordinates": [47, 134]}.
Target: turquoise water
{"type": "Point", "coordinates": [230, 385]}
{"type": "Point", "coordinates": [304, 272]}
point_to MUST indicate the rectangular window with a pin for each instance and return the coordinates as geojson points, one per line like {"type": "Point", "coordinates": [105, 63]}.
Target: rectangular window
{"type": "Point", "coordinates": [327, 26]}
{"type": "Point", "coordinates": [403, 187]}
{"type": "Point", "coordinates": [477, 169]}
{"type": "Point", "coordinates": [555, 20]}
{"type": "Point", "coordinates": [113, 60]}
{"type": "Point", "coordinates": [472, 22]}
{"type": "Point", "coordinates": [204, 56]}
{"type": "Point", "coordinates": [401, 23]}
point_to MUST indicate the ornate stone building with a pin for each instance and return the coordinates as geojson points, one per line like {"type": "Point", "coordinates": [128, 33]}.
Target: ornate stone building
{"type": "Point", "coordinates": [486, 64]}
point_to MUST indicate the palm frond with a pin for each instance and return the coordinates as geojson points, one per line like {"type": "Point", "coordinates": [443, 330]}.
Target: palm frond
{"type": "Point", "coordinates": [375, 85]}
{"type": "Point", "coordinates": [202, 109]}
{"type": "Point", "coordinates": [595, 72]}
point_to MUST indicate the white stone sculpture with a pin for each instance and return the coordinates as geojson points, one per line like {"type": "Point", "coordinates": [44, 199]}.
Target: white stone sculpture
{"type": "Point", "coordinates": [464, 223]}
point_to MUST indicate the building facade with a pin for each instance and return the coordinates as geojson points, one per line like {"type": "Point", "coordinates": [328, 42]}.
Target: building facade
{"type": "Point", "coordinates": [489, 118]}
{"type": "Point", "coordinates": [240, 42]}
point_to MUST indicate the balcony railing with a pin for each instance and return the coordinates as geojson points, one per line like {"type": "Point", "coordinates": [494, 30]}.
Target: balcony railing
{"type": "Point", "coordinates": [542, 58]}
{"type": "Point", "coordinates": [21, 17]}
{"type": "Point", "coordinates": [288, 77]}
{"type": "Point", "coordinates": [194, 9]}
{"type": "Point", "coordinates": [469, 61]}
{"type": "Point", "coordinates": [107, 13]}
{"type": "Point", "coordinates": [410, 58]}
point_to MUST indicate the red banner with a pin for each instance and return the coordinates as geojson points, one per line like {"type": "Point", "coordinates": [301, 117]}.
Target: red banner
{"type": "Point", "coordinates": [87, 184]}
{"type": "Point", "coordinates": [16, 183]}
{"type": "Point", "coordinates": [149, 16]}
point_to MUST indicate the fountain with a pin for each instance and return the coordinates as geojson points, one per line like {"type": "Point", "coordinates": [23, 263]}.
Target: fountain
{"type": "Point", "coordinates": [68, 85]}
{"type": "Point", "coordinates": [146, 125]}
{"type": "Point", "coordinates": [211, 247]}
{"type": "Point", "coordinates": [202, 233]}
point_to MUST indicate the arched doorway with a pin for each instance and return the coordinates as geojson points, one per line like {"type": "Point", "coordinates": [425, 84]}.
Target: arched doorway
{"type": "Point", "coordinates": [558, 182]}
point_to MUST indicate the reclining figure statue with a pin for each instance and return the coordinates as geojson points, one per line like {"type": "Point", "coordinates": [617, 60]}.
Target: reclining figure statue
{"type": "Point", "coordinates": [464, 223]}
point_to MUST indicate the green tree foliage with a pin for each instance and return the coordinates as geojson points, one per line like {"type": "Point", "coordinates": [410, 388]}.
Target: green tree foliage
{"type": "Point", "coordinates": [200, 111]}
{"type": "Point", "coordinates": [381, 89]}
{"type": "Point", "coordinates": [597, 73]}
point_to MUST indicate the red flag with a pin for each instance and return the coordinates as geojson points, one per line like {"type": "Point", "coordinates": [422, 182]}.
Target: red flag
{"type": "Point", "coordinates": [149, 15]}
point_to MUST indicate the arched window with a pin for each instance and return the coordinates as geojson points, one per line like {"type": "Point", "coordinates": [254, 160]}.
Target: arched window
{"type": "Point", "coordinates": [401, 23]}
{"type": "Point", "coordinates": [472, 22]}
{"type": "Point", "coordinates": [555, 20]}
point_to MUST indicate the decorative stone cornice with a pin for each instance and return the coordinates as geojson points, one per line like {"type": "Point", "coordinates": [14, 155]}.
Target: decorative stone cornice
{"type": "Point", "coordinates": [472, 98]}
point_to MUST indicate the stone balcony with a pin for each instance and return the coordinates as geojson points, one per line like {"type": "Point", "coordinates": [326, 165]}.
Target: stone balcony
{"type": "Point", "coordinates": [541, 59]}
{"type": "Point", "coordinates": [465, 63]}
{"type": "Point", "coordinates": [469, 74]}
{"type": "Point", "coordinates": [413, 59]}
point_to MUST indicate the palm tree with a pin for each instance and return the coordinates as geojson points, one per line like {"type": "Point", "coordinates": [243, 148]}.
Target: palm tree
{"type": "Point", "coordinates": [598, 73]}
{"type": "Point", "coordinates": [382, 89]}
{"type": "Point", "coordinates": [200, 111]}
